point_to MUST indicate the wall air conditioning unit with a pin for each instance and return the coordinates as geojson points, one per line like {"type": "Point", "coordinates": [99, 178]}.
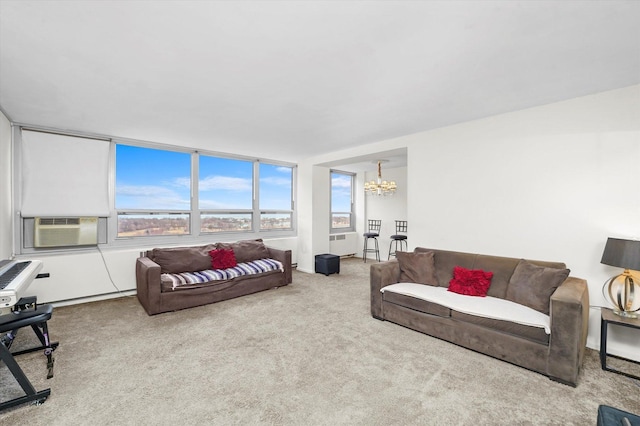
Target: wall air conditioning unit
{"type": "Point", "coordinates": [65, 231]}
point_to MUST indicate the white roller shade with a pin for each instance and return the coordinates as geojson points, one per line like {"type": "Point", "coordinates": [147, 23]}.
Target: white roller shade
{"type": "Point", "coordinates": [64, 175]}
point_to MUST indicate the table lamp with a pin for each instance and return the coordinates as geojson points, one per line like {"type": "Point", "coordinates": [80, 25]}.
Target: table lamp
{"type": "Point", "coordinates": [623, 291]}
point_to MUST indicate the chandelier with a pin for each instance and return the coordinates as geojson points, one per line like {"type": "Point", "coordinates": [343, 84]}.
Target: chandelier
{"type": "Point", "coordinates": [379, 186]}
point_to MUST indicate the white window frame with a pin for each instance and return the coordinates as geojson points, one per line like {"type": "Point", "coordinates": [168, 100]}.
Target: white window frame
{"type": "Point", "coordinates": [352, 216]}
{"type": "Point", "coordinates": [290, 211]}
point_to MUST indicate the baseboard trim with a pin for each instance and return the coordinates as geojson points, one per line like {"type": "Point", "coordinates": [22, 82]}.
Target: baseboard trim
{"type": "Point", "coordinates": [107, 296]}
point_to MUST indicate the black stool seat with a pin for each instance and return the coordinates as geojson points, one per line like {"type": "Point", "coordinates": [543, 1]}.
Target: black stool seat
{"type": "Point", "coordinates": [24, 318]}
{"type": "Point", "coordinates": [400, 237]}
{"type": "Point", "coordinates": [373, 232]}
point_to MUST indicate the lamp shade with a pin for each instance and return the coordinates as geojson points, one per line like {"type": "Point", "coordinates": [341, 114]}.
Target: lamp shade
{"type": "Point", "coordinates": [622, 253]}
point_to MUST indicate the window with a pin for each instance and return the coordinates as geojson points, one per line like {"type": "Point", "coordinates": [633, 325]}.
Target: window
{"type": "Point", "coordinates": [153, 190]}
{"type": "Point", "coordinates": [163, 192]}
{"type": "Point", "coordinates": [276, 197]}
{"type": "Point", "coordinates": [225, 193]}
{"type": "Point", "coordinates": [342, 201]}
{"type": "Point", "coordinates": [143, 190]}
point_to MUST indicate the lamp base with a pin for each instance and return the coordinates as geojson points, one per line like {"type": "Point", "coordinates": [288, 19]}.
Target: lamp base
{"type": "Point", "coordinates": [623, 293]}
{"type": "Point", "coordinates": [625, 314]}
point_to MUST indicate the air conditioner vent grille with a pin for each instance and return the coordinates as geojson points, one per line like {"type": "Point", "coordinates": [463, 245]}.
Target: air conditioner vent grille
{"type": "Point", "coordinates": [59, 221]}
{"type": "Point", "coordinates": [65, 231]}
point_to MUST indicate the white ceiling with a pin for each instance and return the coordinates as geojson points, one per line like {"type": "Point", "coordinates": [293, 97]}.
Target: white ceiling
{"type": "Point", "coordinates": [292, 79]}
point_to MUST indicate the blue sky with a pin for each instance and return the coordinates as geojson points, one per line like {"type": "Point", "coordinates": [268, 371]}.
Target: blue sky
{"type": "Point", "coordinates": [157, 179]}
{"type": "Point", "coordinates": [340, 192]}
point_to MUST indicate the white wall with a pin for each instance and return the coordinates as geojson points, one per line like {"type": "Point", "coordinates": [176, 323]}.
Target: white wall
{"type": "Point", "coordinates": [345, 244]}
{"type": "Point", "coordinates": [314, 215]}
{"type": "Point", "coordinates": [85, 275]}
{"type": "Point", "coordinates": [6, 245]}
{"type": "Point", "coordinates": [549, 183]}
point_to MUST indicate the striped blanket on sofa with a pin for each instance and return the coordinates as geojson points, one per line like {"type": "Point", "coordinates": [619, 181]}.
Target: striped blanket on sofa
{"type": "Point", "coordinates": [247, 268]}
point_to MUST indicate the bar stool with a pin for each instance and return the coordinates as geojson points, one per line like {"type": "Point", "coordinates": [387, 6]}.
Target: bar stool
{"type": "Point", "coordinates": [399, 237]}
{"type": "Point", "coordinates": [374, 233]}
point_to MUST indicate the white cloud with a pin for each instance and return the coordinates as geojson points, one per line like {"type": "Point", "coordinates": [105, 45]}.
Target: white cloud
{"type": "Point", "coordinates": [150, 197]}
{"type": "Point", "coordinates": [276, 181]}
{"type": "Point", "coordinates": [225, 183]}
{"type": "Point", "coordinates": [215, 205]}
{"type": "Point", "coordinates": [143, 190]}
{"type": "Point", "coordinates": [182, 182]}
{"type": "Point", "coordinates": [341, 182]}
{"type": "Point", "coordinates": [283, 169]}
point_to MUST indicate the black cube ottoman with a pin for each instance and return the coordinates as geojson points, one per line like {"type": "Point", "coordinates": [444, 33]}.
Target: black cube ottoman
{"type": "Point", "coordinates": [327, 264]}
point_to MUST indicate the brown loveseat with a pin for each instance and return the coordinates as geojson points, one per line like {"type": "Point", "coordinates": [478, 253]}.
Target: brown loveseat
{"type": "Point", "coordinates": [543, 286]}
{"type": "Point", "coordinates": [157, 292]}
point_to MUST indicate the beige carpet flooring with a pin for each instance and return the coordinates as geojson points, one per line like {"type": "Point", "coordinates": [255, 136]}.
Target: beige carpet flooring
{"type": "Point", "coordinates": [306, 354]}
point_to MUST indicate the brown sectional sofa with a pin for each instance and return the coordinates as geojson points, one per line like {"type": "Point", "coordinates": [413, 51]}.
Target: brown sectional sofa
{"type": "Point", "coordinates": [157, 295]}
{"type": "Point", "coordinates": [558, 355]}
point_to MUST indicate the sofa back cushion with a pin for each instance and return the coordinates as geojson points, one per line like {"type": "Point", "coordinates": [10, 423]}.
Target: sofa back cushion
{"type": "Point", "coordinates": [417, 267]}
{"type": "Point", "coordinates": [503, 269]}
{"type": "Point", "coordinates": [445, 261]}
{"type": "Point", "coordinates": [174, 260]}
{"type": "Point", "coordinates": [246, 250]}
{"type": "Point", "coordinates": [532, 285]}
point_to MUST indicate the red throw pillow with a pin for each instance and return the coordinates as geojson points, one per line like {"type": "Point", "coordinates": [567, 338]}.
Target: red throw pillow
{"type": "Point", "coordinates": [222, 259]}
{"type": "Point", "coordinates": [471, 282]}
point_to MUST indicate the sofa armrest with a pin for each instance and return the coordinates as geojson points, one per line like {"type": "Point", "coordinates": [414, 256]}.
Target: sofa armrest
{"type": "Point", "coordinates": [381, 275]}
{"type": "Point", "coordinates": [148, 284]}
{"type": "Point", "coordinates": [284, 257]}
{"type": "Point", "coordinates": [569, 314]}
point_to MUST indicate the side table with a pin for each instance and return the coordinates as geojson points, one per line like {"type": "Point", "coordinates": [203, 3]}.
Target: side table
{"type": "Point", "coordinates": [608, 317]}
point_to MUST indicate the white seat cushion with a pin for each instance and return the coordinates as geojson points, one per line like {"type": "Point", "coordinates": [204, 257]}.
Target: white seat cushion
{"type": "Point", "coordinates": [488, 307]}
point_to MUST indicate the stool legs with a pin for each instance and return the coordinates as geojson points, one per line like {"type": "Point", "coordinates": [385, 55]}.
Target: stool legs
{"type": "Point", "coordinates": [368, 250]}
{"type": "Point", "coordinates": [48, 349]}
{"type": "Point", "coordinates": [403, 243]}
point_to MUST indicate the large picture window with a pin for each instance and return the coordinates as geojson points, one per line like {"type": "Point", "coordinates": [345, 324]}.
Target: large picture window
{"type": "Point", "coordinates": [164, 192]}
{"type": "Point", "coordinates": [342, 201]}
{"type": "Point", "coordinates": [152, 191]}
